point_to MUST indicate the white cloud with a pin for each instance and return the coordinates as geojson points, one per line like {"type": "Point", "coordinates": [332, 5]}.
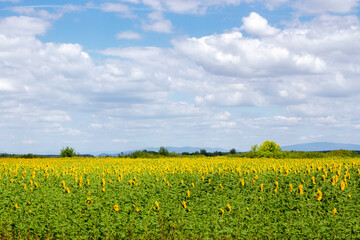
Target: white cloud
{"type": "Point", "coordinates": [52, 12]}
{"type": "Point", "coordinates": [311, 138]}
{"type": "Point", "coordinates": [188, 6]}
{"type": "Point", "coordinates": [157, 23]}
{"type": "Point", "coordinates": [119, 8]}
{"type": "Point", "coordinates": [279, 69]}
{"type": "Point", "coordinates": [201, 6]}
{"type": "Point", "coordinates": [96, 125]}
{"type": "Point", "coordinates": [12, 1]}
{"type": "Point", "coordinates": [132, 1]}
{"type": "Point", "coordinates": [114, 7]}
{"type": "Point", "coordinates": [273, 4]}
{"type": "Point", "coordinates": [307, 71]}
{"type": "Point", "coordinates": [5, 85]}
{"type": "Point", "coordinates": [116, 140]}
{"type": "Point", "coordinates": [23, 26]}
{"type": "Point", "coordinates": [129, 35]}
{"type": "Point", "coordinates": [321, 6]}
{"type": "Point", "coordinates": [183, 6]}
{"type": "Point", "coordinates": [231, 54]}
{"type": "Point", "coordinates": [57, 116]}
{"type": "Point", "coordinates": [29, 141]}
{"type": "Point", "coordinates": [257, 25]}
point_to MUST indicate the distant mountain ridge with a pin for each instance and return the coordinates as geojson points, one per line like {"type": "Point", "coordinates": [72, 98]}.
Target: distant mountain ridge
{"type": "Point", "coordinates": [320, 146]}
{"type": "Point", "coordinates": [188, 149]}
{"type": "Point", "coordinates": [303, 147]}
{"type": "Point", "coordinates": [170, 149]}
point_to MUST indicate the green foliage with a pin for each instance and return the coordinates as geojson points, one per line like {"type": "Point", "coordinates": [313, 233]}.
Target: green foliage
{"type": "Point", "coordinates": [254, 148]}
{"type": "Point", "coordinates": [342, 153]}
{"type": "Point", "coordinates": [203, 152]}
{"type": "Point", "coordinates": [67, 152]}
{"type": "Point", "coordinates": [284, 214]}
{"type": "Point", "coordinates": [144, 154]}
{"type": "Point", "coordinates": [269, 146]}
{"type": "Point", "coordinates": [232, 151]}
{"type": "Point", "coordinates": [163, 151]}
{"type": "Point", "coordinates": [29, 155]}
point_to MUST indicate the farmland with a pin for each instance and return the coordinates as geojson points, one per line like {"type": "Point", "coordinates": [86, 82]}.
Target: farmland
{"type": "Point", "coordinates": [181, 198]}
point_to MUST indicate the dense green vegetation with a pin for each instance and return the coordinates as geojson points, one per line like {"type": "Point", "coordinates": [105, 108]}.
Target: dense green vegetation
{"type": "Point", "coordinates": [250, 154]}
{"type": "Point", "coordinates": [179, 198]}
{"type": "Point", "coordinates": [268, 149]}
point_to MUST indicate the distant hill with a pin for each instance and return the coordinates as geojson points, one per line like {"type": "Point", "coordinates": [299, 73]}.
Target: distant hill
{"type": "Point", "coordinates": [170, 149]}
{"type": "Point", "coordinates": [189, 149]}
{"type": "Point", "coordinates": [320, 146]}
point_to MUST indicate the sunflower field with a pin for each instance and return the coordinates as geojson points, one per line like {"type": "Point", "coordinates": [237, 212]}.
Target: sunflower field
{"type": "Point", "coordinates": [179, 198]}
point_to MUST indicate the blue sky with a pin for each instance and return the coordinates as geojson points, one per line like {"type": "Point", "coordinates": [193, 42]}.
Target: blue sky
{"type": "Point", "coordinates": [128, 74]}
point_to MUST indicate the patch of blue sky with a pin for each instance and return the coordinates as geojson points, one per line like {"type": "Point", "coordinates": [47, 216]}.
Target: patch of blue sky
{"type": "Point", "coordinates": [93, 29]}
{"type": "Point", "coordinates": [181, 97]}
{"type": "Point", "coordinates": [97, 30]}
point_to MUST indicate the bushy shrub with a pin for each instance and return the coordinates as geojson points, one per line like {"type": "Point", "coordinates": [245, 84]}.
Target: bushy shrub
{"type": "Point", "coordinates": [269, 146]}
{"type": "Point", "coordinates": [67, 152]}
{"type": "Point", "coordinates": [163, 151]}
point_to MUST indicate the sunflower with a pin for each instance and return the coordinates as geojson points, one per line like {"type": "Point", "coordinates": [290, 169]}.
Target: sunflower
{"type": "Point", "coordinates": [342, 185]}
{"type": "Point", "coordinates": [301, 189]}
{"type": "Point", "coordinates": [157, 207]}
{"type": "Point", "coordinates": [228, 206]}
{"type": "Point", "coordinates": [116, 208]}
{"type": "Point", "coordinates": [319, 195]}
{"type": "Point", "coordinates": [89, 201]}
{"type": "Point", "coordinates": [184, 204]}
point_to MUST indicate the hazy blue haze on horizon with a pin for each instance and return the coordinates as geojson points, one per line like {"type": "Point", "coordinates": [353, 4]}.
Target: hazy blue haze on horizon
{"type": "Point", "coordinates": [129, 74]}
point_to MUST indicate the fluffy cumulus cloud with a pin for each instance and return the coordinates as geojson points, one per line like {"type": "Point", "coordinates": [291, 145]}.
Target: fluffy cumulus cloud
{"type": "Point", "coordinates": [316, 58]}
{"type": "Point", "coordinates": [295, 67]}
{"type": "Point", "coordinates": [257, 25]}
{"type": "Point", "coordinates": [253, 81]}
{"type": "Point", "coordinates": [233, 55]}
{"type": "Point", "coordinates": [55, 89]}
{"type": "Point", "coordinates": [22, 26]}
{"type": "Point", "coordinates": [37, 78]}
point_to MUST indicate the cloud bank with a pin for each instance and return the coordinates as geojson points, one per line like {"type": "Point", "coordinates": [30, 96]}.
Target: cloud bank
{"type": "Point", "coordinates": [248, 84]}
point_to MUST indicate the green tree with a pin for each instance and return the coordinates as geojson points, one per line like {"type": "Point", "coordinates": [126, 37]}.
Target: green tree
{"type": "Point", "coordinates": [232, 151]}
{"type": "Point", "coordinates": [254, 148]}
{"type": "Point", "coordinates": [203, 152]}
{"type": "Point", "coordinates": [67, 152]}
{"type": "Point", "coordinates": [163, 151]}
{"type": "Point", "coordinates": [269, 146]}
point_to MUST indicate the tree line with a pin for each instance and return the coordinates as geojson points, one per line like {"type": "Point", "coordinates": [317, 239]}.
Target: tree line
{"type": "Point", "coordinates": [267, 149]}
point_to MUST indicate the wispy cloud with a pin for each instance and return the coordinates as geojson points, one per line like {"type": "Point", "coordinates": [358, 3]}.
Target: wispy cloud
{"type": "Point", "coordinates": [49, 12]}
{"type": "Point", "coordinates": [157, 23]}
{"type": "Point", "coordinates": [129, 35]}
{"type": "Point", "coordinates": [122, 9]}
